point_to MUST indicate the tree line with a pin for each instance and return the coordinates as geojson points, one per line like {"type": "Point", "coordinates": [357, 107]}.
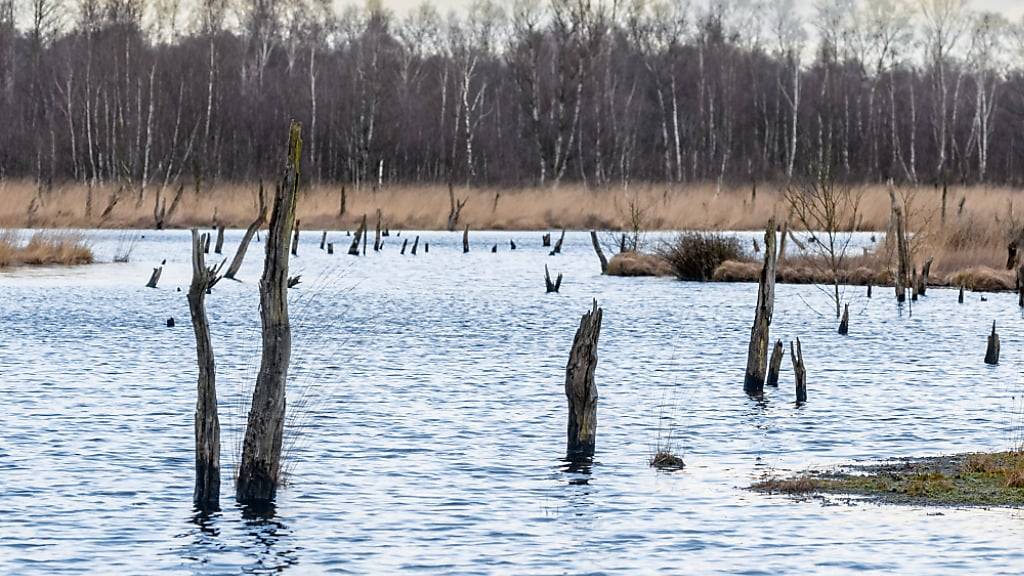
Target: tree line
{"type": "Point", "coordinates": [538, 93]}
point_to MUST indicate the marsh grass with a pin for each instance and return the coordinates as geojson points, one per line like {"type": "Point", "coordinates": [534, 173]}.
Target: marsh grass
{"type": "Point", "coordinates": [44, 249]}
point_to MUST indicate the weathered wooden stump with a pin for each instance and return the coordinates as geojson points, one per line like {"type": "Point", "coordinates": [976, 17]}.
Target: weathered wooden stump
{"type": "Point", "coordinates": [426, 247]}
{"type": "Point", "coordinates": [551, 286]}
{"type": "Point", "coordinates": [775, 364]}
{"type": "Point", "coordinates": [415, 245]}
{"type": "Point", "coordinates": [580, 388]}
{"type": "Point", "coordinates": [960, 298]}
{"type": "Point", "coordinates": [844, 324]}
{"type": "Point", "coordinates": [797, 357]}
{"type": "Point", "coordinates": [206, 495]}
{"type": "Point", "coordinates": [600, 253]}
{"type": "Point", "coordinates": [455, 209]}
{"type": "Point", "coordinates": [757, 353]}
{"type": "Point", "coordinates": [465, 240]}
{"type": "Point", "coordinates": [558, 245]}
{"type": "Point", "coordinates": [170, 322]}
{"type": "Point", "coordinates": [353, 249]}
{"type": "Point", "coordinates": [622, 244]}
{"type": "Point", "coordinates": [992, 351]}
{"type": "Point", "coordinates": [1020, 286]}
{"type": "Point", "coordinates": [323, 240]}
{"type": "Point", "coordinates": [494, 249]}
{"type": "Point", "coordinates": [330, 247]}
{"type": "Point", "coordinates": [405, 242]}
{"type": "Point", "coordinates": [376, 233]}
{"type": "Point", "coordinates": [512, 244]}
{"type": "Point", "coordinates": [545, 240]}
{"type": "Point", "coordinates": [236, 263]}
{"type": "Point", "coordinates": [259, 472]}
{"type": "Point", "coordinates": [869, 290]}
{"type": "Point", "coordinates": [154, 278]}
{"type": "Point", "coordinates": [206, 243]}
{"type": "Point", "coordinates": [295, 239]}
{"type": "Point", "coordinates": [926, 270]}
{"type": "Point", "coordinates": [1011, 255]}
{"type": "Point", "coordinates": [219, 246]}
{"type": "Point", "coordinates": [902, 253]}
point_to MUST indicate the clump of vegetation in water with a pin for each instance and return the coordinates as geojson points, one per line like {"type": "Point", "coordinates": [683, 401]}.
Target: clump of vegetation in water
{"type": "Point", "coordinates": [44, 249]}
{"type": "Point", "coordinates": [696, 255]}
{"type": "Point", "coordinates": [989, 479]}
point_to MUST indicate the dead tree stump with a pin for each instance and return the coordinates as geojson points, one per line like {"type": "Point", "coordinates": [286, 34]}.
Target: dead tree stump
{"type": "Point", "coordinates": [206, 243]}
{"type": "Point", "coordinates": [426, 247]}
{"type": "Point", "coordinates": [902, 254]}
{"type": "Point", "coordinates": [1020, 286]}
{"type": "Point", "coordinates": [558, 245]}
{"type": "Point", "coordinates": [236, 263]}
{"type": "Point", "coordinates": [405, 242]}
{"type": "Point", "coordinates": [219, 246]}
{"type": "Point", "coordinates": [295, 239]}
{"type": "Point", "coordinates": [323, 239]}
{"type": "Point", "coordinates": [869, 290]}
{"type": "Point", "coordinates": [922, 287]}
{"type": "Point", "coordinates": [551, 286]}
{"type": "Point", "coordinates": [353, 250]}
{"type": "Point", "coordinates": [330, 247]}
{"type": "Point", "coordinates": [960, 298]}
{"type": "Point", "coordinates": [992, 352]}
{"type": "Point", "coordinates": [844, 324]}
{"type": "Point", "coordinates": [154, 278]}
{"type": "Point", "coordinates": [415, 245]}
{"type": "Point", "coordinates": [512, 244]}
{"type": "Point", "coordinates": [600, 253]}
{"type": "Point", "coordinates": [797, 356]}
{"type": "Point", "coordinates": [259, 472]}
{"type": "Point", "coordinates": [545, 240]}
{"type": "Point", "coordinates": [775, 364]}
{"type": "Point", "coordinates": [757, 353]}
{"type": "Point", "coordinates": [455, 209]}
{"type": "Point", "coordinates": [206, 495]}
{"type": "Point", "coordinates": [580, 388]}
{"type": "Point", "coordinates": [782, 243]}
{"type": "Point", "coordinates": [1011, 255]}
{"type": "Point", "coordinates": [465, 240]}
{"type": "Point", "coordinates": [494, 249]}
{"type": "Point", "coordinates": [376, 234]}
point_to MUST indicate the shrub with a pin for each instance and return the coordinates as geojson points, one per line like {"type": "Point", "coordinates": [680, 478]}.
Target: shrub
{"type": "Point", "coordinates": [695, 255]}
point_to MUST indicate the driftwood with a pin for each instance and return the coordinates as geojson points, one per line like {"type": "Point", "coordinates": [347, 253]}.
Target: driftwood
{"type": "Point", "coordinates": [551, 286]}
{"type": "Point", "coordinates": [580, 388]}
{"type": "Point", "coordinates": [600, 253]}
{"type": "Point", "coordinates": [219, 247]}
{"type": "Point", "coordinates": [259, 472]}
{"type": "Point", "coordinates": [353, 250]}
{"type": "Point", "coordinates": [844, 324]}
{"type": "Point", "coordinates": [545, 240]}
{"type": "Point", "coordinates": [775, 364]}
{"type": "Point", "coordinates": [797, 357]}
{"type": "Point", "coordinates": [295, 239]}
{"type": "Point", "coordinates": [465, 240]}
{"type": "Point", "coordinates": [154, 278]}
{"type": "Point", "coordinates": [992, 351]}
{"type": "Point", "coordinates": [415, 245]}
{"type": "Point", "coordinates": [236, 263]}
{"type": "Point", "coordinates": [206, 495]}
{"type": "Point", "coordinates": [757, 353]}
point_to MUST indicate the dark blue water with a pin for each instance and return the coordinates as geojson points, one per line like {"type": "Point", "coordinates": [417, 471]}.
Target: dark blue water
{"type": "Point", "coordinates": [427, 420]}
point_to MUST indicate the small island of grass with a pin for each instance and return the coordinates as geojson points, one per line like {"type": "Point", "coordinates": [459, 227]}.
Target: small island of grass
{"type": "Point", "coordinates": [977, 479]}
{"type": "Point", "coordinates": [43, 249]}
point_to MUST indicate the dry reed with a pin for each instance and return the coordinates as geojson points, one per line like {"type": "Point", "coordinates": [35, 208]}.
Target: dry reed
{"type": "Point", "coordinates": [43, 249]}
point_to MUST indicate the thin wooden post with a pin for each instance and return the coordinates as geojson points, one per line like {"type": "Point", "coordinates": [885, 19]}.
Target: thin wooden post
{"type": "Point", "coordinates": [206, 495]}
{"type": "Point", "coordinates": [549, 285]}
{"type": "Point", "coordinates": [494, 249]}
{"type": "Point", "coordinates": [992, 351]}
{"type": "Point", "coordinates": [757, 353]}
{"type": "Point", "coordinates": [465, 240]}
{"type": "Point", "coordinates": [219, 246]}
{"type": "Point", "coordinates": [405, 242]}
{"type": "Point", "coordinates": [600, 253]}
{"type": "Point", "coordinates": [558, 245]}
{"type": "Point", "coordinates": [330, 247]}
{"type": "Point", "coordinates": [902, 254]}
{"type": "Point", "coordinates": [869, 290]}
{"type": "Point", "coordinates": [353, 249]}
{"type": "Point", "coordinates": [580, 388]}
{"type": "Point", "coordinates": [323, 239]}
{"type": "Point", "coordinates": [960, 298]}
{"type": "Point", "coordinates": [415, 245]}
{"type": "Point", "coordinates": [799, 371]}
{"type": "Point", "coordinates": [844, 324]}
{"type": "Point", "coordinates": [775, 364]}
{"type": "Point", "coordinates": [236, 263]}
{"type": "Point", "coordinates": [512, 244]}
{"type": "Point", "coordinates": [259, 472]}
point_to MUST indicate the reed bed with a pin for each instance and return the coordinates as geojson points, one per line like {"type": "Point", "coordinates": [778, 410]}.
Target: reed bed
{"type": "Point", "coordinates": [44, 249]}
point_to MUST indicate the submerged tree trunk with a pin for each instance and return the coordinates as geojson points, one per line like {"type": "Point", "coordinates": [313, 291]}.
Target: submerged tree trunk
{"type": "Point", "coordinates": [580, 388]}
{"type": "Point", "coordinates": [757, 353]}
{"type": "Point", "coordinates": [992, 351]}
{"type": "Point", "coordinates": [597, 248]}
{"type": "Point", "coordinates": [797, 356]}
{"type": "Point", "coordinates": [251, 231]}
{"type": "Point", "coordinates": [775, 364]}
{"type": "Point", "coordinates": [260, 470]}
{"type": "Point", "coordinates": [844, 325]}
{"type": "Point", "coordinates": [219, 247]}
{"type": "Point", "coordinates": [353, 249]}
{"type": "Point", "coordinates": [206, 496]}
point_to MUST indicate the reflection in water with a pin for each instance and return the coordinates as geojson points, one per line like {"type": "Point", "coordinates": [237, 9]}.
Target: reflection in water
{"type": "Point", "coordinates": [578, 469]}
{"type": "Point", "coordinates": [271, 540]}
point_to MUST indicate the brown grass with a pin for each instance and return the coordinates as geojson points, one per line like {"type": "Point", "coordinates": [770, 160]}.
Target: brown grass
{"type": "Point", "coordinates": [43, 249]}
{"type": "Point", "coordinates": [799, 485]}
{"type": "Point", "coordinates": [638, 264]}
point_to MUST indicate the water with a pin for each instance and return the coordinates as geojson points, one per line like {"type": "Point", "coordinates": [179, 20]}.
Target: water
{"type": "Point", "coordinates": [427, 393]}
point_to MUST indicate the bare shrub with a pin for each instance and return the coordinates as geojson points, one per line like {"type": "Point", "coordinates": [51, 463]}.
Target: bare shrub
{"type": "Point", "coordinates": [695, 255]}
